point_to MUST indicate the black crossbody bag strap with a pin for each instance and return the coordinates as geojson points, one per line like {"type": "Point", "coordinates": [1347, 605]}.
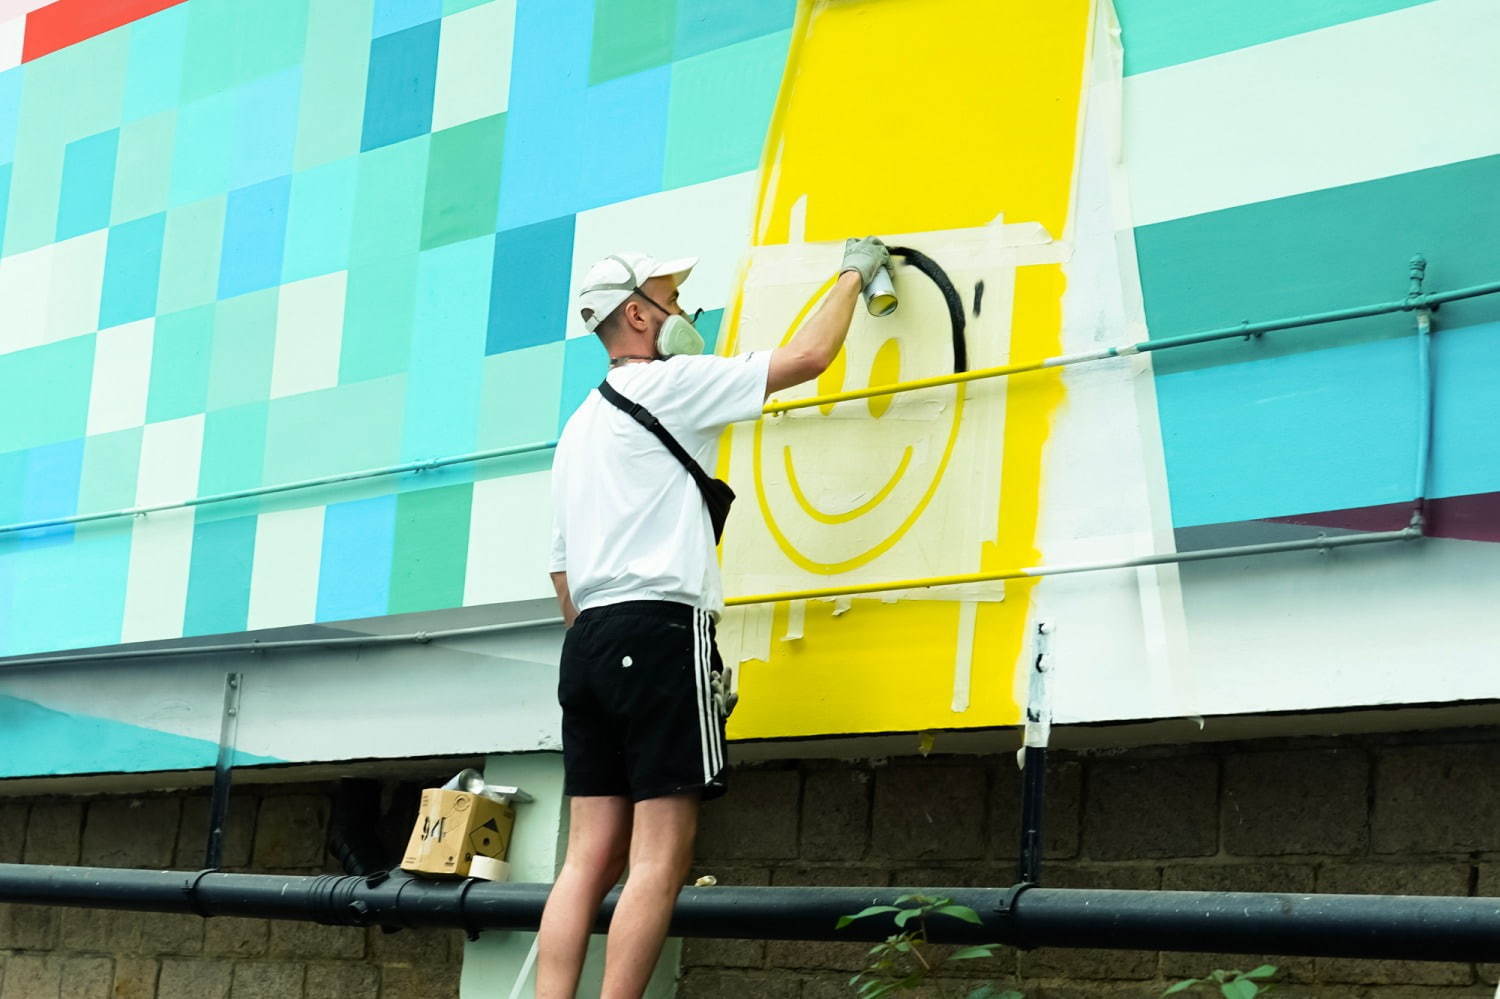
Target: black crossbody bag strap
{"type": "Point", "coordinates": [716, 492]}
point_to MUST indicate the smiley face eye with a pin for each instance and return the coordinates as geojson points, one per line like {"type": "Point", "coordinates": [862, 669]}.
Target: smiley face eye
{"type": "Point", "coordinates": [884, 370]}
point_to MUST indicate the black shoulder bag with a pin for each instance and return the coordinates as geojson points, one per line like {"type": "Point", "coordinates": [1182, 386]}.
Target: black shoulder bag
{"type": "Point", "coordinates": [716, 492]}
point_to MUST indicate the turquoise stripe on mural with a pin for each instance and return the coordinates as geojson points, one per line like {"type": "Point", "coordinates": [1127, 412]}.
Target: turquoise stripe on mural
{"type": "Point", "coordinates": [36, 740]}
{"type": "Point", "coordinates": [1161, 33]}
{"type": "Point", "coordinates": [1322, 250]}
{"type": "Point", "coordinates": [218, 599]}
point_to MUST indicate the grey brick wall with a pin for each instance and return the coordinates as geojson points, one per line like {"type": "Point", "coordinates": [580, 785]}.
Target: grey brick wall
{"type": "Point", "coordinates": [1415, 813]}
{"type": "Point", "coordinates": [48, 953]}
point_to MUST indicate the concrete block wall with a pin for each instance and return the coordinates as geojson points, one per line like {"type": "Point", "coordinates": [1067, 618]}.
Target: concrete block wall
{"type": "Point", "coordinates": [58, 953]}
{"type": "Point", "coordinates": [1412, 814]}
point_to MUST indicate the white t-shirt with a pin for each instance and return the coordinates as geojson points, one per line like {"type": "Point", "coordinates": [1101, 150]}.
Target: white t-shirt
{"type": "Point", "coordinates": [628, 521]}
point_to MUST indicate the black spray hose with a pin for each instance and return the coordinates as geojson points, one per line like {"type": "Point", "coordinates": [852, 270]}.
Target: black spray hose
{"type": "Point", "coordinates": [928, 266]}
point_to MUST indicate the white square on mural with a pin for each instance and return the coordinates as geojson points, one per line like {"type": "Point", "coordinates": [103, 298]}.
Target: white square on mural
{"type": "Point", "coordinates": [25, 280]}
{"type": "Point", "coordinates": [510, 539]}
{"type": "Point", "coordinates": [473, 71]}
{"type": "Point", "coordinates": [122, 377]}
{"type": "Point", "coordinates": [309, 335]}
{"type": "Point", "coordinates": [12, 34]}
{"type": "Point", "coordinates": [710, 221]}
{"type": "Point", "coordinates": [77, 282]}
{"type": "Point", "coordinates": [288, 556]}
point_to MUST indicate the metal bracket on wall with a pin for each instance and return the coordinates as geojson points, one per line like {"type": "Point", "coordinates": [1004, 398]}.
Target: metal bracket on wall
{"type": "Point", "coordinates": [218, 808]}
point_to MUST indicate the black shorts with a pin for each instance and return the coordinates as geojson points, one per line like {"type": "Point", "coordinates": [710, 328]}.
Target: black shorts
{"type": "Point", "coordinates": [638, 714]}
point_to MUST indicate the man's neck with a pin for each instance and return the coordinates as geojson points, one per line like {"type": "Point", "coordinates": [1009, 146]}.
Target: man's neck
{"type": "Point", "coordinates": [616, 361]}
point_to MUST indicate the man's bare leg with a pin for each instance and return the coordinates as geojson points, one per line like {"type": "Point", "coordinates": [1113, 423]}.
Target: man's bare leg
{"type": "Point", "coordinates": [661, 852]}
{"type": "Point", "coordinates": [598, 841]}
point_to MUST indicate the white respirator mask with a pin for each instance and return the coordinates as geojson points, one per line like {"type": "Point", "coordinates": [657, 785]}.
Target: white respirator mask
{"type": "Point", "coordinates": [678, 335]}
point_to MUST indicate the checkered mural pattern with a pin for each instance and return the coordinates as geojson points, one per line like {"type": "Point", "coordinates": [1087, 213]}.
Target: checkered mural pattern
{"type": "Point", "coordinates": [254, 243]}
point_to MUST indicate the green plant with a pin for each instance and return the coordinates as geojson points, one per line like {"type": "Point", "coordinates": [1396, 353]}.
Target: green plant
{"type": "Point", "coordinates": [1231, 984]}
{"type": "Point", "coordinates": [905, 959]}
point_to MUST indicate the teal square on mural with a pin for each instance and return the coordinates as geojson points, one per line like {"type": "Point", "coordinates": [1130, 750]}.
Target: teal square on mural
{"type": "Point", "coordinates": [720, 108]}
{"type": "Point", "coordinates": [631, 35]}
{"type": "Point", "coordinates": [218, 595]}
{"type": "Point", "coordinates": [444, 377]}
{"type": "Point", "coordinates": [463, 181]}
{"type": "Point", "coordinates": [379, 303]}
{"type": "Point", "coordinates": [111, 463]}
{"type": "Point", "coordinates": [234, 447]}
{"type": "Point", "coordinates": [244, 344]}
{"type": "Point", "coordinates": [88, 181]}
{"type": "Point", "coordinates": [704, 25]}
{"type": "Point", "coordinates": [180, 354]}
{"type": "Point", "coordinates": [153, 78]}
{"type": "Point", "coordinates": [47, 393]}
{"type": "Point", "coordinates": [190, 255]}
{"type": "Point", "coordinates": [584, 366]}
{"type": "Point", "coordinates": [431, 548]}
{"type": "Point", "coordinates": [12, 487]}
{"type": "Point", "coordinates": [132, 266]}
{"type": "Point", "coordinates": [320, 219]}
{"type": "Point", "coordinates": [203, 149]}
{"type": "Point", "coordinates": [518, 401]}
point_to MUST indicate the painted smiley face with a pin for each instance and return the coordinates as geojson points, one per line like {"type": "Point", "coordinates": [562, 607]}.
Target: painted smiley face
{"type": "Point", "coordinates": [841, 484]}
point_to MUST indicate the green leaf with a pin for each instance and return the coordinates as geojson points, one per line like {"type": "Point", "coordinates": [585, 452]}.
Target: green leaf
{"type": "Point", "coordinates": [906, 915]}
{"type": "Point", "coordinates": [1240, 988]}
{"type": "Point", "coordinates": [1264, 971]}
{"type": "Point", "coordinates": [970, 953]}
{"type": "Point", "coordinates": [963, 912]}
{"type": "Point", "coordinates": [904, 946]}
{"type": "Point", "coordinates": [1182, 986]}
{"type": "Point", "coordinates": [873, 910]}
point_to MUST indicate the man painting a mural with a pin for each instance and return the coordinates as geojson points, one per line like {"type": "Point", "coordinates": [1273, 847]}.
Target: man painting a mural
{"type": "Point", "coordinates": [634, 568]}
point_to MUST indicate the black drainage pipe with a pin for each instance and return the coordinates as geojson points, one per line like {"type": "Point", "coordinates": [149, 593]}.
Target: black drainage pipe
{"type": "Point", "coordinates": [1408, 927]}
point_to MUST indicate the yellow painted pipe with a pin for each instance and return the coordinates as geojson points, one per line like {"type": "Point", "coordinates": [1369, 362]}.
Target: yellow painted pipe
{"type": "Point", "coordinates": [773, 408]}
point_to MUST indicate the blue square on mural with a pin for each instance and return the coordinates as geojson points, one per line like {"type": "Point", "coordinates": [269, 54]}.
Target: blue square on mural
{"type": "Point", "coordinates": [397, 15]}
{"type": "Point", "coordinates": [401, 84]}
{"type": "Point", "coordinates": [529, 293]}
{"type": "Point", "coordinates": [254, 237]}
{"type": "Point", "coordinates": [359, 541]}
{"type": "Point", "coordinates": [584, 366]}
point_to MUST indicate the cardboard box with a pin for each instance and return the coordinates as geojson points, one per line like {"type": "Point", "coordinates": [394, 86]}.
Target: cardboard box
{"type": "Point", "coordinates": [452, 827]}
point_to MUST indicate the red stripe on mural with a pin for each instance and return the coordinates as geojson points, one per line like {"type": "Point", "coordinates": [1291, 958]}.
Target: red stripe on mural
{"type": "Point", "coordinates": [67, 22]}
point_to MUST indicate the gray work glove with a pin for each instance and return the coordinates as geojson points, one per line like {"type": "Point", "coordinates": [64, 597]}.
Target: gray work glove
{"type": "Point", "coordinates": [724, 698]}
{"type": "Point", "coordinates": [866, 256]}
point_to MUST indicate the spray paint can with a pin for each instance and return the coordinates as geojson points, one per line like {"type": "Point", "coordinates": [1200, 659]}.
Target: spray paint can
{"type": "Point", "coordinates": [880, 294]}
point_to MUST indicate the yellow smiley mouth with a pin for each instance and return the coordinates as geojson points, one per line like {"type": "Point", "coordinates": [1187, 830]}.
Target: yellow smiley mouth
{"type": "Point", "coordinates": [847, 515]}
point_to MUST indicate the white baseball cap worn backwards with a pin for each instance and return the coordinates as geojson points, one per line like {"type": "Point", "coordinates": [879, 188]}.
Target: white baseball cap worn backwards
{"type": "Point", "coordinates": [612, 280]}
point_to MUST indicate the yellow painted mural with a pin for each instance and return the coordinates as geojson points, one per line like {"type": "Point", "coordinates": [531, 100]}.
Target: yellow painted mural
{"type": "Point", "coordinates": [950, 126]}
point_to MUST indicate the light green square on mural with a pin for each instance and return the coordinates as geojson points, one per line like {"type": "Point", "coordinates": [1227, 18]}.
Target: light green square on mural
{"type": "Point", "coordinates": [143, 167]}
{"type": "Point", "coordinates": [463, 182]}
{"type": "Point", "coordinates": [230, 42]}
{"type": "Point", "coordinates": [111, 463]}
{"type": "Point", "coordinates": [388, 203]}
{"type": "Point", "coordinates": [47, 393]}
{"type": "Point", "coordinates": [431, 548]}
{"type": "Point", "coordinates": [631, 35]}
{"type": "Point", "coordinates": [347, 428]}
{"type": "Point", "coordinates": [334, 69]}
{"type": "Point", "coordinates": [234, 447]}
{"type": "Point", "coordinates": [190, 255]}
{"type": "Point", "coordinates": [454, 6]}
{"type": "Point", "coordinates": [518, 401]}
{"type": "Point", "coordinates": [180, 354]}
{"type": "Point", "coordinates": [244, 344]}
{"type": "Point", "coordinates": [720, 107]}
{"type": "Point", "coordinates": [379, 308]}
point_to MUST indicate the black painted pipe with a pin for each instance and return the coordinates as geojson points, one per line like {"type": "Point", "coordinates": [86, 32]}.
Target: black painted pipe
{"type": "Point", "coordinates": [1408, 927]}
